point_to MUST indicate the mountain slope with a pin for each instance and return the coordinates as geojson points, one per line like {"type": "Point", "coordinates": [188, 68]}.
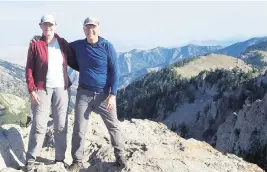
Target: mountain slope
{"type": "Point", "coordinates": [244, 133]}
{"type": "Point", "coordinates": [161, 90]}
{"type": "Point", "coordinates": [212, 61]}
{"type": "Point", "coordinates": [12, 79]}
{"type": "Point", "coordinates": [136, 60]}
{"type": "Point", "coordinates": [137, 63]}
{"type": "Point", "coordinates": [237, 49]}
{"type": "Point", "coordinates": [14, 109]}
{"type": "Point", "coordinates": [256, 55]}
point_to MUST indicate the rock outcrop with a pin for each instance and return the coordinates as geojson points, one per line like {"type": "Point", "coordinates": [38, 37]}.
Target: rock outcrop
{"type": "Point", "coordinates": [244, 133]}
{"type": "Point", "coordinates": [12, 146]}
{"type": "Point", "coordinates": [150, 146]}
{"type": "Point", "coordinates": [13, 109]}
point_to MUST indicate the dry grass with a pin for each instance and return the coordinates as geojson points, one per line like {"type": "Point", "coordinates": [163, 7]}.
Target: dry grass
{"type": "Point", "coordinates": [211, 61]}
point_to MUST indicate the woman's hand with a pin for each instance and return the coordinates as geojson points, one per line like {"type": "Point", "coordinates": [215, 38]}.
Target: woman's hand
{"type": "Point", "coordinates": [35, 98]}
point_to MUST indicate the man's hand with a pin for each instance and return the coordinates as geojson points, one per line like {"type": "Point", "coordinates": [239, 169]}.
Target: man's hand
{"type": "Point", "coordinates": [35, 98]}
{"type": "Point", "coordinates": [35, 38]}
{"type": "Point", "coordinates": [110, 102]}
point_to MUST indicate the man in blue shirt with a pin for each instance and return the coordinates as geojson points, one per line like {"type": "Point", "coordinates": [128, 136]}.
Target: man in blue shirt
{"type": "Point", "coordinates": [98, 84]}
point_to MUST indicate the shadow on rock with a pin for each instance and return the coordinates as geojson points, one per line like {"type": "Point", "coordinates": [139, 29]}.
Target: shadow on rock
{"type": "Point", "coordinates": [12, 148]}
{"type": "Point", "coordinates": [98, 165]}
{"type": "Point", "coordinates": [104, 167]}
{"type": "Point", "coordinates": [45, 161]}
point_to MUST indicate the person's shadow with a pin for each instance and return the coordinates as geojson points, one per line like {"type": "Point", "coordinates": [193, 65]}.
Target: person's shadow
{"type": "Point", "coordinates": [102, 167]}
{"type": "Point", "coordinates": [97, 165]}
{"type": "Point", "coordinates": [12, 148]}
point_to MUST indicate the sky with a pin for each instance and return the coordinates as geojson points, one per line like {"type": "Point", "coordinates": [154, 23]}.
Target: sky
{"type": "Point", "coordinates": [132, 24]}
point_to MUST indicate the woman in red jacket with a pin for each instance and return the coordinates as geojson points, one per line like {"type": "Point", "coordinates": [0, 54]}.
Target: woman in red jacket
{"type": "Point", "coordinates": [48, 83]}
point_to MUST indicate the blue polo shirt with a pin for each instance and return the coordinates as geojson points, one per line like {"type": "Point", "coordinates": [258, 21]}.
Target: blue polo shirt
{"type": "Point", "coordinates": [97, 65]}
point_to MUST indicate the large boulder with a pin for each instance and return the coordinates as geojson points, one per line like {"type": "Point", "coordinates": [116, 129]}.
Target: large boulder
{"type": "Point", "coordinates": [12, 147]}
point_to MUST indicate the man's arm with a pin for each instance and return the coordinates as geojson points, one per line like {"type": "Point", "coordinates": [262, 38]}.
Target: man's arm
{"type": "Point", "coordinates": [71, 56]}
{"type": "Point", "coordinates": [113, 69]}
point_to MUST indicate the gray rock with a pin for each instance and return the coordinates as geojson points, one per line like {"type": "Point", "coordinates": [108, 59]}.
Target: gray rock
{"type": "Point", "coordinates": [149, 146]}
{"type": "Point", "coordinates": [12, 149]}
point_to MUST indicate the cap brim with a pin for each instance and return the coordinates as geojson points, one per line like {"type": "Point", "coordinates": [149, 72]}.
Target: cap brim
{"type": "Point", "coordinates": [54, 23]}
{"type": "Point", "coordinates": [96, 24]}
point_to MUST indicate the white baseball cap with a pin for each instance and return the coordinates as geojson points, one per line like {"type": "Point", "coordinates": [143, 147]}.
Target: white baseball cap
{"type": "Point", "coordinates": [48, 18]}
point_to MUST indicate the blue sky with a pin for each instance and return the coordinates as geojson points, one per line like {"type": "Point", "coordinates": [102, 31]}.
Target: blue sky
{"type": "Point", "coordinates": [133, 24]}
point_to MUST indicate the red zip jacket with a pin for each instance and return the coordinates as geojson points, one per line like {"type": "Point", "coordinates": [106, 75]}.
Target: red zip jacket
{"type": "Point", "coordinates": [37, 63]}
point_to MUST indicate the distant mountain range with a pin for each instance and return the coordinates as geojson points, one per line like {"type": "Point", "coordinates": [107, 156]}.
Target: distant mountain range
{"type": "Point", "coordinates": [223, 43]}
{"type": "Point", "coordinates": [137, 63]}
{"type": "Point", "coordinates": [238, 48]}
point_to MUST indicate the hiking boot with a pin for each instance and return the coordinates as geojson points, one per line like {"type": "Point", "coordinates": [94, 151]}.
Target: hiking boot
{"type": "Point", "coordinates": [75, 166]}
{"type": "Point", "coordinates": [30, 165]}
{"type": "Point", "coordinates": [120, 158]}
{"type": "Point", "coordinates": [121, 161]}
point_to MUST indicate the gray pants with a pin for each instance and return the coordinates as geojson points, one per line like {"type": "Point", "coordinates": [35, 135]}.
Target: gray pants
{"type": "Point", "coordinates": [86, 102]}
{"type": "Point", "coordinates": [60, 100]}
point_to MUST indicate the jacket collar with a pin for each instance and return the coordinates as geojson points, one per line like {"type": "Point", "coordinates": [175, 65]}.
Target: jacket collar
{"type": "Point", "coordinates": [43, 38]}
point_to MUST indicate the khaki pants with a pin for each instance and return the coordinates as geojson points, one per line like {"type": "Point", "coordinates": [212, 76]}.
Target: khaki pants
{"type": "Point", "coordinates": [60, 100]}
{"type": "Point", "coordinates": [86, 102]}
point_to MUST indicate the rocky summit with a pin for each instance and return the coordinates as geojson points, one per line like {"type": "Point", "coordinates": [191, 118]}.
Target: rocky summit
{"type": "Point", "coordinates": [150, 147]}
